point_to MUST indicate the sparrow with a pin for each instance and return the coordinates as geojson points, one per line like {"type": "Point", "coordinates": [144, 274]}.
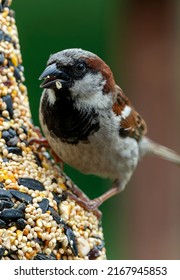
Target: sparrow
{"type": "Point", "coordinates": [91, 124]}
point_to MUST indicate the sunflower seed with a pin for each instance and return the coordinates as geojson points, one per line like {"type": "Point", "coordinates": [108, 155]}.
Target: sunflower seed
{"type": "Point", "coordinates": [42, 256]}
{"type": "Point", "coordinates": [44, 204]}
{"type": "Point", "coordinates": [60, 197]}
{"type": "Point", "coordinates": [56, 216]}
{"type": "Point", "coordinates": [2, 250]}
{"type": "Point", "coordinates": [71, 240]}
{"type": "Point", "coordinates": [5, 195]}
{"type": "Point", "coordinates": [21, 223]}
{"type": "Point", "coordinates": [15, 150]}
{"type": "Point", "coordinates": [4, 3]}
{"type": "Point", "coordinates": [1, 185]}
{"type": "Point", "coordinates": [93, 253]}
{"type": "Point", "coordinates": [1, 35]}
{"type": "Point", "coordinates": [10, 215]}
{"type": "Point", "coordinates": [23, 197]}
{"type": "Point", "coordinates": [21, 207]}
{"type": "Point", "coordinates": [2, 57]}
{"type": "Point", "coordinates": [2, 224]}
{"type": "Point", "coordinates": [17, 74]}
{"type": "Point", "coordinates": [37, 159]}
{"type": "Point", "coordinates": [8, 100]}
{"type": "Point", "coordinates": [31, 184]}
{"type": "Point", "coordinates": [5, 204]}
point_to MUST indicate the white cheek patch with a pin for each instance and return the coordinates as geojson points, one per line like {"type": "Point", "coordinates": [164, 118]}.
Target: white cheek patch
{"type": "Point", "coordinates": [89, 91]}
{"type": "Point", "coordinates": [90, 84]}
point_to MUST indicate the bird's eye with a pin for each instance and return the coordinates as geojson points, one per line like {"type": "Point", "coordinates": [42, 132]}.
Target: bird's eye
{"type": "Point", "coordinates": [79, 69]}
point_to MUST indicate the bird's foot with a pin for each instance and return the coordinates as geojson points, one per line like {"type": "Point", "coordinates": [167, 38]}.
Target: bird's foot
{"type": "Point", "coordinates": [87, 204]}
{"type": "Point", "coordinates": [42, 142]}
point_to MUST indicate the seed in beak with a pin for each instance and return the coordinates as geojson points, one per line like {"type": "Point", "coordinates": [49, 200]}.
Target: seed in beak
{"type": "Point", "coordinates": [58, 84]}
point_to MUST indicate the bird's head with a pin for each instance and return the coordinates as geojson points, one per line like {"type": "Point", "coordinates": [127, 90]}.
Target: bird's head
{"type": "Point", "coordinates": [81, 73]}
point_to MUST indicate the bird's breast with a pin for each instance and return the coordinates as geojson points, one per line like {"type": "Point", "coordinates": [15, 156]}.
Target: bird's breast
{"type": "Point", "coordinates": [92, 147]}
{"type": "Point", "coordinates": [67, 123]}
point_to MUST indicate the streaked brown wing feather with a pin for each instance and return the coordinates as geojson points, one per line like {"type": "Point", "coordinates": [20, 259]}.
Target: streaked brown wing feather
{"type": "Point", "coordinates": [133, 125]}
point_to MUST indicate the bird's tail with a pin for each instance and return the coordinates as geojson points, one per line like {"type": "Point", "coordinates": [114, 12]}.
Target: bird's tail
{"type": "Point", "coordinates": [147, 146]}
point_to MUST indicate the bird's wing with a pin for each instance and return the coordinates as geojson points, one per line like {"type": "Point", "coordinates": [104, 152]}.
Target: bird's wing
{"type": "Point", "coordinates": [131, 123]}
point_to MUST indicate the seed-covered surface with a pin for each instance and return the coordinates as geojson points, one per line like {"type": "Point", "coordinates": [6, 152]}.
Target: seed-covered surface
{"type": "Point", "coordinates": [37, 219]}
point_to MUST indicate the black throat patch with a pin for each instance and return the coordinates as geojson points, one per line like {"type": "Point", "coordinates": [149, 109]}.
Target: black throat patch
{"type": "Point", "coordinates": [66, 122]}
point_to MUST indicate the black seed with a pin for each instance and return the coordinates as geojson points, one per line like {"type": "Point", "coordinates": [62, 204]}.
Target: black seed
{"type": "Point", "coordinates": [71, 240]}
{"type": "Point", "coordinates": [20, 67]}
{"type": "Point", "coordinates": [37, 159]}
{"type": "Point", "coordinates": [44, 204]}
{"type": "Point", "coordinates": [56, 216]}
{"type": "Point", "coordinates": [54, 180]}
{"type": "Point", "coordinates": [2, 250]}
{"type": "Point", "coordinates": [2, 57]}
{"type": "Point", "coordinates": [21, 223]}
{"type": "Point", "coordinates": [13, 141]}
{"type": "Point", "coordinates": [17, 74]}
{"type": "Point", "coordinates": [24, 129]}
{"type": "Point", "coordinates": [12, 132]}
{"type": "Point", "coordinates": [4, 3]}
{"type": "Point", "coordinates": [39, 241]}
{"type": "Point", "coordinates": [5, 204]}
{"type": "Point", "coordinates": [5, 195]}
{"type": "Point", "coordinates": [42, 256]}
{"type": "Point", "coordinates": [23, 197]}
{"type": "Point", "coordinates": [10, 137]}
{"type": "Point", "coordinates": [5, 159]}
{"type": "Point", "coordinates": [2, 224]}
{"type": "Point", "coordinates": [56, 197]}
{"type": "Point", "coordinates": [31, 184]}
{"type": "Point", "coordinates": [8, 100]}
{"type": "Point", "coordinates": [1, 185]}
{"type": "Point", "coordinates": [93, 253]}
{"type": "Point", "coordinates": [59, 197]}
{"type": "Point", "coordinates": [21, 207]}
{"type": "Point", "coordinates": [7, 38]}
{"type": "Point", "coordinates": [10, 215]}
{"type": "Point", "coordinates": [6, 135]}
{"type": "Point", "coordinates": [15, 150]}
{"type": "Point", "coordinates": [1, 35]}
{"type": "Point", "coordinates": [58, 245]}
{"type": "Point", "coordinates": [12, 255]}
{"type": "Point", "coordinates": [10, 63]}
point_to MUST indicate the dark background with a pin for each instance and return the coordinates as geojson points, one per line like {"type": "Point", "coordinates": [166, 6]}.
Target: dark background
{"type": "Point", "coordinates": [139, 40]}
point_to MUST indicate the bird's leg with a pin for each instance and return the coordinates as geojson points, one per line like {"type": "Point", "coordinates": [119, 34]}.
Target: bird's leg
{"type": "Point", "coordinates": [92, 205]}
{"type": "Point", "coordinates": [40, 140]}
{"type": "Point", "coordinates": [85, 203]}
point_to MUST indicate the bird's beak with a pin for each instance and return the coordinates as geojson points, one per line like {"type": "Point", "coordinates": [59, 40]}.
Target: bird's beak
{"type": "Point", "coordinates": [53, 77]}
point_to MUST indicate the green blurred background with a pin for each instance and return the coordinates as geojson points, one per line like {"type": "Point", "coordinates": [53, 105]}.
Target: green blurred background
{"type": "Point", "coordinates": [138, 40]}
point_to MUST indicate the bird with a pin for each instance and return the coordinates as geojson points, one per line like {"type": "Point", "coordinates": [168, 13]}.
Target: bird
{"type": "Point", "coordinates": [90, 123]}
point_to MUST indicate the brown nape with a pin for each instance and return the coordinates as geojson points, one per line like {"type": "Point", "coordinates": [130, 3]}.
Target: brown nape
{"type": "Point", "coordinates": [101, 66]}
